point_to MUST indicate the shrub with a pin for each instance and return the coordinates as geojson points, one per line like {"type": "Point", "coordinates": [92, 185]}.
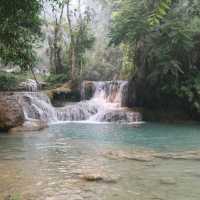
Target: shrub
{"type": "Point", "coordinates": [55, 79]}
{"type": "Point", "coordinates": [8, 81]}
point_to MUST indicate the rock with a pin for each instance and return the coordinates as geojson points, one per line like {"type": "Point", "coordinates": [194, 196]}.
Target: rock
{"type": "Point", "coordinates": [65, 92]}
{"type": "Point", "coordinates": [187, 155]}
{"type": "Point", "coordinates": [28, 85]}
{"type": "Point", "coordinates": [29, 126]}
{"type": "Point", "coordinates": [96, 177]}
{"type": "Point", "coordinates": [11, 112]}
{"type": "Point", "coordinates": [87, 90]}
{"type": "Point", "coordinates": [121, 116]}
{"type": "Point", "coordinates": [92, 177]}
{"type": "Point", "coordinates": [141, 156]}
{"type": "Point", "coordinates": [168, 181]}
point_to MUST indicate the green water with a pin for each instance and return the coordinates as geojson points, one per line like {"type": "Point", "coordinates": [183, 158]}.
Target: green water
{"type": "Point", "coordinates": [48, 165]}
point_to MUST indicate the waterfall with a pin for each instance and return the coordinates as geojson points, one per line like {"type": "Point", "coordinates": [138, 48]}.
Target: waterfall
{"type": "Point", "coordinates": [105, 105]}
{"type": "Point", "coordinates": [110, 92]}
{"type": "Point", "coordinates": [37, 106]}
{"type": "Point", "coordinates": [29, 85]}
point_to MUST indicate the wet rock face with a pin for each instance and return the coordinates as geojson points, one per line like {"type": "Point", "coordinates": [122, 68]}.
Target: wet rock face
{"type": "Point", "coordinates": [121, 116]}
{"type": "Point", "coordinates": [87, 90]}
{"type": "Point", "coordinates": [64, 93]}
{"type": "Point", "coordinates": [11, 112]}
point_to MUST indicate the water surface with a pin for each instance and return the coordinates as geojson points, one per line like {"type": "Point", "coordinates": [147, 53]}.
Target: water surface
{"type": "Point", "coordinates": [50, 164]}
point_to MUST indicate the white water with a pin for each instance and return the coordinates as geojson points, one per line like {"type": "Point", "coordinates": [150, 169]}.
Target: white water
{"type": "Point", "coordinates": [104, 106]}
{"type": "Point", "coordinates": [29, 85]}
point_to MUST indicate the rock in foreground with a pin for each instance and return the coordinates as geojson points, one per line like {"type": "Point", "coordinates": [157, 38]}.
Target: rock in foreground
{"type": "Point", "coordinates": [11, 112]}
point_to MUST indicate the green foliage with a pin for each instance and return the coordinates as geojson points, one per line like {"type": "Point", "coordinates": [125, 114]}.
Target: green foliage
{"type": "Point", "coordinates": [190, 90]}
{"type": "Point", "coordinates": [128, 66]}
{"type": "Point", "coordinates": [160, 12]}
{"type": "Point", "coordinates": [8, 81]}
{"type": "Point", "coordinates": [164, 52]}
{"type": "Point", "coordinates": [55, 79]}
{"type": "Point", "coordinates": [72, 37]}
{"type": "Point", "coordinates": [84, 41]}
{"type": "Point", "coordinates": [19, 31]}
{"type": "Point", "coordinates": [103, 64]}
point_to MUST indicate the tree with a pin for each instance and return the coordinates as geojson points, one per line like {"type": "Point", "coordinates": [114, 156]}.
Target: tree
{"type": "Point", "coordinates": [160, 12]}
{"type": "Point", "coordinates": [80, 36]}
{"type": "Point", "coordinates": [72, 56]}
{"type": "Point", "coordinates": [164, 53]}
{"type": "Point", "coordinates": [55, 41]}
{"type": "Point", "coordinates": [19, 32]}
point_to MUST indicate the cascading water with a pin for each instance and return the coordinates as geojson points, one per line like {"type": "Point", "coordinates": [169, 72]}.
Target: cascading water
{"type": "Point", "coordinates": [36, 105]}
{"type": "Point", "coordinates": [29, 85]}
{"type": "Point", "coordinates": [104, 106]}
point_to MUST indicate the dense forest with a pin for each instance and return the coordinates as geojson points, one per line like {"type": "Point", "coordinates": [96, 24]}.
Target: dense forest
{"type": "Point", "coordinates": [153, 44]}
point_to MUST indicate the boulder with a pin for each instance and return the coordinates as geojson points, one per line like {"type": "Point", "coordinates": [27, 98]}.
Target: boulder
{"type": "Point", "coordinates": [11, 112]}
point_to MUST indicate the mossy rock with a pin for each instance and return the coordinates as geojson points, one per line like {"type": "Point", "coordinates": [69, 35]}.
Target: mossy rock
{"type": "Point", "coordinates": [64, 93]}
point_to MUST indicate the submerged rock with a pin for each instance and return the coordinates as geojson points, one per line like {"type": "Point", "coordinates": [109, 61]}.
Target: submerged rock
{"type": "Point", "coordinates": [168, 181]}
{"type": "Point", "coordinates": [96, 176]}
{"type": "Point", "coordinates": [142, 156]}
{"type": "Point", "coordinates": [11, 112]}
{"type": "Point", "coordinates": [187, 155]}
{"type": "Point", "coordinates": [147, 156]}
{"type": "Point", "coordinates": [92, 177]}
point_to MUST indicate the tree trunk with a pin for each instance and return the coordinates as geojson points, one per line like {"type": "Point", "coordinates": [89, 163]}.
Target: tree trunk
{"type": "Point", "coordinates": [56, 50]}
{"type": "Point", "coordinates": [136, 87]}
{"type": "Point", "coordinates": [72, 54]}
